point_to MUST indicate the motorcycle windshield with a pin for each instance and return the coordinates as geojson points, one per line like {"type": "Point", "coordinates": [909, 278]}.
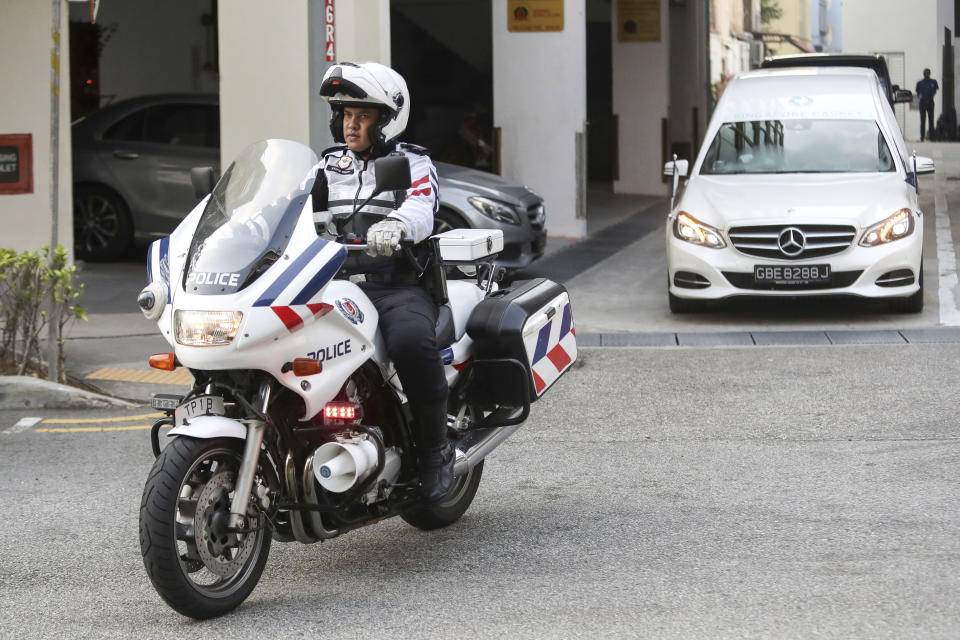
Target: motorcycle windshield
{"type": "Point", "coordinates": [250, 217]}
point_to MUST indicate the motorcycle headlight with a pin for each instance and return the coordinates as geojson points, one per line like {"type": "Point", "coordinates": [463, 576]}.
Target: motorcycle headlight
{"type": "Point", "coordinates": [688, 228]}
{"type": "Point", "coordinates": [206, 328]}
{"type": "Point", "coordinates": [897, 226]}
{"type": "Point", "coordinates": [499, 211]}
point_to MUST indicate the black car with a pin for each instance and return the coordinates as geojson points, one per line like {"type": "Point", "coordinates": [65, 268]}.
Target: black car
{"type": "Point", "coordinates": [878, 63]}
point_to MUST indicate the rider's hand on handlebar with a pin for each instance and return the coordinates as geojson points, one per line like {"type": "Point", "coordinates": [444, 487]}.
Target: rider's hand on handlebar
{"type": "Point", "coordinates": [384, 236]}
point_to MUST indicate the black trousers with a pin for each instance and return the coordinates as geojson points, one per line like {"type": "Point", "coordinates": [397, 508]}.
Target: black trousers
{"type": "Point", "coordinates": [926, 112]}
{"type": "Point", "coordinates": [408, 320]}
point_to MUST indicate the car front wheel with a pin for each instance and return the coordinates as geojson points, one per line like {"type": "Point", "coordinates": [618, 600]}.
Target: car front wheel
{"type": "Point", "coordinates": [101, 223]}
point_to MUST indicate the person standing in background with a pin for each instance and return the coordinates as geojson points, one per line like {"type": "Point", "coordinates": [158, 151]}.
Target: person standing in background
{"type": "Point", "coordinates": [926, 89]}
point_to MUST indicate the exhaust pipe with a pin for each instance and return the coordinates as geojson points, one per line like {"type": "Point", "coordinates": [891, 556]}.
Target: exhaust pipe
{"type": "Point", "coordinates": [478, 444]}
{"type": "Point", "coordinates": [340, 465]}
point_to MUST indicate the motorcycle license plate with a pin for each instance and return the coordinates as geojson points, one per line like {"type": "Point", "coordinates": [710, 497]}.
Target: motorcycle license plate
{"type": "Point", "coordinates": [789, 274]}
{"type": "Point", "coordinates": [199, 406]}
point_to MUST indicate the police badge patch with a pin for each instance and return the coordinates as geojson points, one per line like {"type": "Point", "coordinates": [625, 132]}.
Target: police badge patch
{"type": "Point", "coordinates": [344, 162]}
{"type": "Point", "coordinates": [350, 310]}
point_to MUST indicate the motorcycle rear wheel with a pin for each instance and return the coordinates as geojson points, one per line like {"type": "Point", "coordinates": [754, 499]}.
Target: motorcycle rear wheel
{"type": "Point", "coordinates": [199, 570]}
{"type": "Point", "coordinates": [447, 511]}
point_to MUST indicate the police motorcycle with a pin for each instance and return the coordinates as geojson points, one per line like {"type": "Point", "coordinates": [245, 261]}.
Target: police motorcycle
{"type": "Point", "coordinates": [296, 427]}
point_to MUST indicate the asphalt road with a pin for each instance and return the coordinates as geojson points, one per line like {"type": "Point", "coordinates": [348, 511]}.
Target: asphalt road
{"type": "Point", "coordinates": [788, 492]}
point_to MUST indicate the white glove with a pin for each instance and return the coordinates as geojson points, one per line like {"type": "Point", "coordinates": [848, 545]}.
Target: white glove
{"type": "Point", "coordinates": [383, 237]}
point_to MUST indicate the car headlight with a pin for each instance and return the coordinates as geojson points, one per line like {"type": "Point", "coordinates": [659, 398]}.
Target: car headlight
{"type": "Point", "coordinates": [688, 228]}
{"type": "Point", "coordinates": [499, 211]}
{"type": "Point", "coordinates": [206, 328]}
{"type": "Point", "coordinates": [897, 226]}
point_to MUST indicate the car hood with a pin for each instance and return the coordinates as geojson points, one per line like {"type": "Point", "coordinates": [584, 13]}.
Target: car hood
{"type": "Point", "coordinates": [485, 184]}
{"type": "Point", "coordinates": [857, 199]}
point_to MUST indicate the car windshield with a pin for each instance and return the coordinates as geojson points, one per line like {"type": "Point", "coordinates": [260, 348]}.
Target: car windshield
{"type": "Point", "coordinates": [249, 217]}
{"type": "Point", "coordinates": [798, 146]}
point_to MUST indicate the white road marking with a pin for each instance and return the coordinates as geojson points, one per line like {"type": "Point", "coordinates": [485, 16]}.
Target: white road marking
{"type": "Point", "coordinates": [946, 256]}
{"type": "Point", "coordinates": [22, 425]}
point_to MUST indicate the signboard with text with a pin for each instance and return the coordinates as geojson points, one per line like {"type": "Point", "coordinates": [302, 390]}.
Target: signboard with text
{"type": "Point", "coordinates": [329, 40]}
{"type": "Point", "coordinates": [535, 15]}
{"type": "Point", "coordinates": [638, 21]}
{"type": "Point", "coordinates": [16, 163]}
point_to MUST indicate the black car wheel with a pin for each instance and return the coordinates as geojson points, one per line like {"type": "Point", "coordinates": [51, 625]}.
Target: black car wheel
{"type": "Point", "coordinates": [101, 223]}
{"type": "Point", "coordinates": [446, 220]}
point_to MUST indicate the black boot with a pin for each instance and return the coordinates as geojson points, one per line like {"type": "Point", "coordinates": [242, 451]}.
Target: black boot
{"type": "Point", "coordinates": [436, 472]}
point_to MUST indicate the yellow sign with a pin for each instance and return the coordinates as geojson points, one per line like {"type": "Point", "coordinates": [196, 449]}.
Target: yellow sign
{"type": "Point", "coordinates": [535, 15]}
{"type": "Point", "coordinates": [638, 21]}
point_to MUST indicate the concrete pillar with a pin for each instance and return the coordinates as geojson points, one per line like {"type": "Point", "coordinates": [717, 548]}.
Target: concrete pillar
{"type": "Point", "coordinates": [264, 74]}
{"type": "Point", "coordinates": [363, 31]}
{"type": "Point", "coordinates": [25, 62]}
{"type": "Point", "coordinates": [539, 104]}
{"type": "Point", "coordinates": [641, 93]}
{"type": "Point", "coordinates": [273, 58]}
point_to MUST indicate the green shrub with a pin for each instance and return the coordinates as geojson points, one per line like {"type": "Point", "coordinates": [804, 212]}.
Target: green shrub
{"type": "Point", "coordinates": [36, 289]}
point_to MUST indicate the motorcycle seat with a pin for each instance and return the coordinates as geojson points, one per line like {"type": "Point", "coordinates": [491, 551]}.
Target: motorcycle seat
{"type": "Point", "coordinates": [446, 331]}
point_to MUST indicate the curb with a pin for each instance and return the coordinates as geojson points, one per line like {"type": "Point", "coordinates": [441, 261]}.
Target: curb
{"type": "Point", "coordinates": [23, 392]}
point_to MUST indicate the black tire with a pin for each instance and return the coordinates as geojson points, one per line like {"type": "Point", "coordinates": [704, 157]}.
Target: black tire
{"type": "Point", "coordinates": [683, 305]}
{"type": "Point", "coordinates": [448, 510]}
{"type": "Point", "coordinates": [102, 229]}
{"type": "Point", "coordinates": [171, 555]}
{"type": "Point", "coordinates": [912, 303]}
{"type": "Point", "coordinates": [445, 220]}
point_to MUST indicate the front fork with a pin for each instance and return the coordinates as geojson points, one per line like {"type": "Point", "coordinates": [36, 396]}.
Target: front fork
{"type": "Point", "coordinates": [248, 466]}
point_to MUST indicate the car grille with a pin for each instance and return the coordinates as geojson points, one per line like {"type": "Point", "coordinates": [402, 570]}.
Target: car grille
{"type": "Point", "coordinates": [821, 240]}
{"type": "Point", "coordinates": [536, 215]}
{"type": "Point", "coordinates": [838, 280]}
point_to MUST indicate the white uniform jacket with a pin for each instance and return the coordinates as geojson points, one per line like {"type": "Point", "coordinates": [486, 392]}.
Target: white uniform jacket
{"type": "Point", "coordinates": [351, 179]}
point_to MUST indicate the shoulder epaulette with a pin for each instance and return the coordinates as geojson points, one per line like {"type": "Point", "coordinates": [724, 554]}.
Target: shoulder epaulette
{"type": "Point", "coordinates": [413, 148]}
{"type": "Point", "coordinates": [336, 147]}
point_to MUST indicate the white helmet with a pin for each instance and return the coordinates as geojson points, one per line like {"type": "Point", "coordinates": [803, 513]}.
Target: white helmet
{"type": "Point", "coordinates": [367, 84]}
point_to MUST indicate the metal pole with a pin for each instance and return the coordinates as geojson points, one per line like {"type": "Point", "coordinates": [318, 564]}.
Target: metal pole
{"type": "Point", "coordinates": [53, 360]}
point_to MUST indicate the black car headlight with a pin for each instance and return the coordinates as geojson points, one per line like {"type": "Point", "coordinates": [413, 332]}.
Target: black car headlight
{"type": "Point", "coordinates": [499, 211]}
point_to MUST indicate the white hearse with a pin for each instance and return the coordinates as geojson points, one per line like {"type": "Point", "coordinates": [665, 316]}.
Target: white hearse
{"type": "Point", "coordinates": [803, 186]}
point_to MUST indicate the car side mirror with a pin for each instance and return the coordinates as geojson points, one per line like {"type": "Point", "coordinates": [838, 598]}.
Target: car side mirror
{"type": "Point", "coordinates": [902, 95]}
{"type": "Point", "coordinates": [203, 180]}
{"type": "Point", "coordinates": [393, 174]}
{"type": "Point", "coordinates": [925, 165]}
{"type": "Point", "coordinates": [683, 166]}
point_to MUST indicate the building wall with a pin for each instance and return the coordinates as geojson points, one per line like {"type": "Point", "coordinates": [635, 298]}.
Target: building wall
{"type": "Point", "coordinates": [539, 104]}
{"type": "Point", "coordinates": [363, 30]}
{"type": "Point", "coordinates": [25, 69]}
{"type": "Point", "coordinates": [264, 74]}
{"type": "Point", "coordinates": [877, 26]}
{"type": "Point", "coordinates": [795, 22]}
{"type": "Point", "coordinates": [829, 14]}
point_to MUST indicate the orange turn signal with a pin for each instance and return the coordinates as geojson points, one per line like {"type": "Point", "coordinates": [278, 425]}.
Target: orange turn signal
{"type": "Point", "coordinates": [306, 366]}
{"type": "Point", "coordinates": [165, 361]}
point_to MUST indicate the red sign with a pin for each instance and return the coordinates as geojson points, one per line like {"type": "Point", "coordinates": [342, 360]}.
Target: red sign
{"type": "Point", "coordinates": [16, 163]}
{"type": "Point", "coordinates": [329, 47]}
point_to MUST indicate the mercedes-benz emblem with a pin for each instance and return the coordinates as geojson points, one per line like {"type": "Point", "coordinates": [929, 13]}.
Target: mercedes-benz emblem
{"type": "Point", "coordinates": [792, 242]}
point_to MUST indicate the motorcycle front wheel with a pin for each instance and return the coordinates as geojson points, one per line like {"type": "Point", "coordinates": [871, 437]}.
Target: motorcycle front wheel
{"type": "Point", "coordinates": [198, 567]}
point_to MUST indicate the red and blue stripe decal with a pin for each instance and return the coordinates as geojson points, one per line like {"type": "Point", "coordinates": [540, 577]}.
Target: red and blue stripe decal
{"type": "Point", "coordinates": [322, 277]}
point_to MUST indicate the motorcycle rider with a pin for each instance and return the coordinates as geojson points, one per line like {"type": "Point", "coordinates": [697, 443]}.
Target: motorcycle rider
{"type": "Point", "coordinates": [370, 106]}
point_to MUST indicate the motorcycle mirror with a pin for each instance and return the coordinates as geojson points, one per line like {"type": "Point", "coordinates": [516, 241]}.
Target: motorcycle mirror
{"type": "Point", "coordinates": [203, 180]}
{"type": "Point", "coordinates": [393, 174]}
